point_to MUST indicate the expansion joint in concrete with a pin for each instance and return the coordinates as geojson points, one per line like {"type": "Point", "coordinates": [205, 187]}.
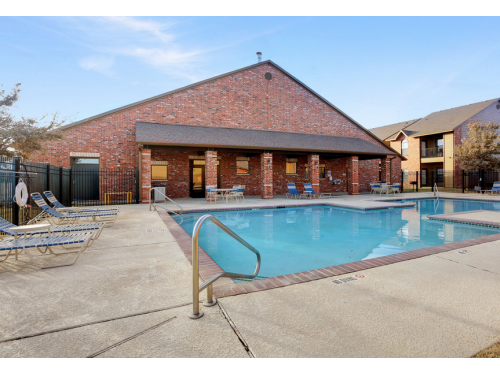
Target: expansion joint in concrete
{"type": "Point", "coordinates": [236, 331]}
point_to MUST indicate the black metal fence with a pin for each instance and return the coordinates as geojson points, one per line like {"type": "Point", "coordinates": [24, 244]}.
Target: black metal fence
{"type": "Point", "coordinates": [458, 181]}
{"type": "Point", "coordinates": [71, 187]}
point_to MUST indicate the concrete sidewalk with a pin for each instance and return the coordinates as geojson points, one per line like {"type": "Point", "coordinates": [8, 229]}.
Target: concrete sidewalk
{"type": "Point", "coordinates": [130, 293]}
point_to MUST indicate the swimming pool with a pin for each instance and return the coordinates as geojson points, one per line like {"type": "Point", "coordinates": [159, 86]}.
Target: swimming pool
{"type": "Point", "coordinates": [298, 239]}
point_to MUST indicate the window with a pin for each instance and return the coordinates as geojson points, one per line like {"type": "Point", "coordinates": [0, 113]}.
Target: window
{"type": "Point", "coordinates": [85, 161]}
{"type": "Point", "coordinates": [322, 173]}
{"type": "Point", "coordinates": [291, 167]}
{"type": "Point", "coordinates": [440, 174]}
{"type": "Point", "coordinates": [242, 167]}
{"type": "Point", "coordinates": [404, 147]}
{"type": "Point", "coordinates": [405, 175]}
{"type": "Point", "coordinates": [158, 172]}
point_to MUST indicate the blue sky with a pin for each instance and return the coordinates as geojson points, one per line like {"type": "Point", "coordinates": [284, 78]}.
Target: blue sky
{"type": "Point", "coordinates": [379, 70]}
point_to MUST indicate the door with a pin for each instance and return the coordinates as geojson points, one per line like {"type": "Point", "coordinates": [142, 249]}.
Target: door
{"type": "Point", "coordinates": [197, 178]}
{"type": "Point", "coordinates": [424, 149]}
{"type": "Point", "coordinates": [85, 182]}
{"type": "Point", "coordinates": [423, 177]}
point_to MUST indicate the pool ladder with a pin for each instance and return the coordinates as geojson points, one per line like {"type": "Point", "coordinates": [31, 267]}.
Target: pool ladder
{"type": "Point", "coordinates": [165, 208]}
{"type": "Point", "coordinates": [195, 260]}
{"type": "Point", "coordinates": [436, 191]}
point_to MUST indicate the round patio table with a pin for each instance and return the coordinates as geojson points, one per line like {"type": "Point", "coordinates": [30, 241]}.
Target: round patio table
{"type": "Point", "coordinates": [225, 192]}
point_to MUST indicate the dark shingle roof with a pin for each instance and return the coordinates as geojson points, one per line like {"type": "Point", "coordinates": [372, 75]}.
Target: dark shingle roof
{"type": "Point", "coordinates": [206, 136]}
{"type": "Point", "coordinates": [447, 120]}
{"type": "Point", "coordinates": [384, 132]}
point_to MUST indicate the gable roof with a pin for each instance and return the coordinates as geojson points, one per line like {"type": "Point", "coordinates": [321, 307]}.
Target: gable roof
{"type": "Point", "coordinates": [203, 136]}
{"type": "Point", "coordinates": [221, 76]}
{"type": "Point", "coordinates": [384, 132]}
{"type": "Point", "coordinates": [446, 120]}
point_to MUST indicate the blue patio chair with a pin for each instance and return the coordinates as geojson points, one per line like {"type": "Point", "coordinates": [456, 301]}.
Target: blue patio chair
{"type": "Point", "coordinates": [57, 218]}
{"type": "Point", "coordinates": [58, 205]}
{"type": "Point", "coordinates": [8, 229]}
{"type": "Point", "coordinates": [44, 245]}
{"type": "Point", "coordinates": [293, 193]}
{"type": "Point", "coordinates": [494, 189]}
{"type": "Point", "coordinates": [309, 189]}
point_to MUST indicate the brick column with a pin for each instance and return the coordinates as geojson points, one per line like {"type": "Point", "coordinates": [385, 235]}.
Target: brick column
{"type": "Point", "coordinates": [210, 168]}
{"type": "Point", "coordinates": [266, 171]}
{"type": "Point", "coordinates": [146, 174]}
{"type": "Point", "coordinates": [352, 174]}
{"type": "Point", "coordinates": [386, 170]}
{"type": "Point", "coordinates": [313, 166]}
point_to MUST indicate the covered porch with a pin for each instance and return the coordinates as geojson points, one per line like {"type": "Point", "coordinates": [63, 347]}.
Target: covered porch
{"type": "Point", "coordinates": [186, 159]}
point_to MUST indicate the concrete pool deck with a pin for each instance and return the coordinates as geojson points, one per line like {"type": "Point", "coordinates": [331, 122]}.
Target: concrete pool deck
{"type": "Point", "coordinates": [130, 293]}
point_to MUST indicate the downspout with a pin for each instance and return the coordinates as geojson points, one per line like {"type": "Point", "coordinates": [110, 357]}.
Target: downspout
{"type": "Point", "coordinates": [140, 173]}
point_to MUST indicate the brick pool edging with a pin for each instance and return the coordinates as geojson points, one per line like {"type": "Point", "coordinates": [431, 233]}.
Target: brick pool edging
{"type": "Point", "coordinates": [226, 287]}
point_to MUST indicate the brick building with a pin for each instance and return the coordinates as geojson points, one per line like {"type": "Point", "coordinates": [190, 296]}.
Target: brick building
{"type": "Point", "coordinates": [428, 143]}
{"type": "Point", "coordinates": [257, 126]}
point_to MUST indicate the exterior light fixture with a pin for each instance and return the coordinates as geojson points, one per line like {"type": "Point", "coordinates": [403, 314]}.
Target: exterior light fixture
{"type": "Point", "coordinates": [268, 163]}
{"type": "Point", "coordinates": [118, 165]}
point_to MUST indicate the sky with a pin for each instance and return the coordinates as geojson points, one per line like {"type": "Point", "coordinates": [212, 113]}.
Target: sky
{"type": "Point", "coordinates": [378, 70]}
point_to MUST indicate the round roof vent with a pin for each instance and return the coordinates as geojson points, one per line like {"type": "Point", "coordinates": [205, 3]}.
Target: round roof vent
{"type": "Point", "coordinates": [268, 76]}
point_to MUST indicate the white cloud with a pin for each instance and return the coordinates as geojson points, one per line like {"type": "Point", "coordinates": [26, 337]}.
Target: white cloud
{"type": "Point", "coordinates": [163, 57]}
{"type": "Point", "coordinates": [152, 27]}
{"type": "Point", "coordinates": [100, 64]}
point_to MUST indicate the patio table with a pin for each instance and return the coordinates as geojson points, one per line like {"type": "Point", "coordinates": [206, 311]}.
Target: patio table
{"type": "Point", "coordinates": [224, 192]}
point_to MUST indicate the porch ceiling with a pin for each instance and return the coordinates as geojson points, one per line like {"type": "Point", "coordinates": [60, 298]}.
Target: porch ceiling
{"type": "Point", "coordinates": [202, 136]}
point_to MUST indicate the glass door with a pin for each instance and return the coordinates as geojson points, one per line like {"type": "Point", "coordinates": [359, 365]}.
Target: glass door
{"type": "Point", "coordinates": [197, 178]}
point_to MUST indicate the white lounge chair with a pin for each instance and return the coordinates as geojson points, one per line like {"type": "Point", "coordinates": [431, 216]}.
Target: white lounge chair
{"type": "Point", "coordinates": [57, 218]}
{"type": "Point", "coordinates": [45, 245]}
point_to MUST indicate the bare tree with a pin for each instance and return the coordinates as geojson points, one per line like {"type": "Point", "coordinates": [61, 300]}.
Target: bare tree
{"type": "Point", "coordinates": [481, 149]}
{"type": "Point", "coordinates": [25, 136]}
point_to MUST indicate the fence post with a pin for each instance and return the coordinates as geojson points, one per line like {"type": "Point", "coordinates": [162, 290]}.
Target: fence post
{"type": "Point", "coordinates": [463, 181]}
{"type": "Point", "coordinates": [432, 181]}
{"type": "Point", "coordinates": [481, 176]}
{"type": "Point", "coordinates": [47, 182]}
{"type": "Point", "coordinates": [70, 187]}
{"type": "Point", "coordinates": [61, 183]}
{"type": "Point", "coordinates": [416, 185]}
{"type": "Point", "coordinates": [15, 207]}
{"type": "Point", "coordinates": [136, 173]}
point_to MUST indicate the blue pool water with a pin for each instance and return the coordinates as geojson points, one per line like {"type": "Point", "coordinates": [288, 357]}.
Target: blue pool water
{"type": "Point", "coordinates": [300, 239]}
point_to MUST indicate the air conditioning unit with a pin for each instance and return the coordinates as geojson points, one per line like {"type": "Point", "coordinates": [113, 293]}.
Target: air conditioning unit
{"type": "Point", "coordinates": [157, 197]}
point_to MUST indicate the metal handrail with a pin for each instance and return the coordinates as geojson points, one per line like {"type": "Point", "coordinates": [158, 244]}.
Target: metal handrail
{"type": "Point", "coordinates": [159, 192]}
{"type": "Point", "coordinates": [195, 260]}
{"type": "Point", "coordinates": [436, 191]}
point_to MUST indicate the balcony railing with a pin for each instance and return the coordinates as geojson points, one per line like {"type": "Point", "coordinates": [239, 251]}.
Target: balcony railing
{"type": "Point", "coordinates": [433, 152]}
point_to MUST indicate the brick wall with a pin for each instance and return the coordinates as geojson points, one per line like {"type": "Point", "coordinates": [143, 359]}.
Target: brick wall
{"type": "Point", "coordinates": [242, 100]}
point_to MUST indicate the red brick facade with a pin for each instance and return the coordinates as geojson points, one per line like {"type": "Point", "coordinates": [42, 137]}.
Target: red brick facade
{"type": "Point", "coordinates": [266, 168]}
{"type": "Point", "coordinates": [244, 99]}
{"type": "Point", "coordinates": [353, 176]}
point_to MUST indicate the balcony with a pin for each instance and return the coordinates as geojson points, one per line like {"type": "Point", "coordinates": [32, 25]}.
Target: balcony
{"type": "Point", "coordinates": [434, 152]}
{"type": "Point", "coordinates": [432, 155]}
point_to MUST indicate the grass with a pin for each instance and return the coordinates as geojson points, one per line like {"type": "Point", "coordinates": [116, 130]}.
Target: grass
{"type": "Point", "coordinates": [491, 352]}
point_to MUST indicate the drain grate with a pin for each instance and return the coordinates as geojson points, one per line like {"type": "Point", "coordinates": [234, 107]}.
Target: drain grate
{"type": "Point", "coordinates": [149, 230]}
{"type": "Point", "coordinates": [161, 230]}
{"type": "Point", "coordinates": [464, 252]}
{"type": "Point", "coordinates": [344, 280]}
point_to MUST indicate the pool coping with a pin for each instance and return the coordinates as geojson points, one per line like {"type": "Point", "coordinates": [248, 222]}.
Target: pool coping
{"type": "Point", "coordinates": [317, 203]}
{"type": "Point", "coordinates": [226, 287]}
{"type": "Point", "coordinates": [452, 219]}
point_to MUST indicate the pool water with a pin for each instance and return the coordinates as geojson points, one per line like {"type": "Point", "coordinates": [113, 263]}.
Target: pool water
{"type": "Point", "coordinates": [298, 239]}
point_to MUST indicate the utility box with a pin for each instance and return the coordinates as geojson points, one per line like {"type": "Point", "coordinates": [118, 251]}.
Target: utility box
{"type": "Point", "coordinates": [157, 194]}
